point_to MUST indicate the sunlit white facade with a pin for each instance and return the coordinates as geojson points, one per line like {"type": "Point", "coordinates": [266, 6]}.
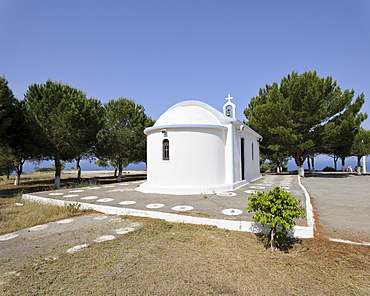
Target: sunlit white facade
{"type": "Point", "coordinates": [195, 149]}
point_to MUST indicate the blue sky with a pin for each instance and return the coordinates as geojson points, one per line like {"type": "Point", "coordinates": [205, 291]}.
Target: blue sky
{"type": "Point", "coordinates": [162, 52]}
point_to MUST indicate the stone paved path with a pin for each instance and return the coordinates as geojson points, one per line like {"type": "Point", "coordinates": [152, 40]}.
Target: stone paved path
{"type": "Point", "coordinates": [226, 205]}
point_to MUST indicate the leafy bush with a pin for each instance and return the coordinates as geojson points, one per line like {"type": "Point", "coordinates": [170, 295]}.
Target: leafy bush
{"type": "Point", "coordinates": [277, 208]}
{"type": "Point", "coordinates": [38, 169]}
{"type": "Point", "coordinates": [52, 169]}
{"type": "Point", "coordinates": [328, 169]}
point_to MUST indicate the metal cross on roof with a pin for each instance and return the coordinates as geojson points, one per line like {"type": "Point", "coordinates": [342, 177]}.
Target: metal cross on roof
{"type": "Point", "coordinates": [229, 98]}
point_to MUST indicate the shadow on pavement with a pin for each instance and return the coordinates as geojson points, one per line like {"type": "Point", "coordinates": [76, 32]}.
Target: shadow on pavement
{"type": "Point", "coordinates": [337, 175]}
{"type": "Point", "coordinates": [32, 185]}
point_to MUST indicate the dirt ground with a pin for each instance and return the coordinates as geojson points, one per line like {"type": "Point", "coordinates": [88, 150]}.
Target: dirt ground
{"type": "Point", "coordinates": [162, 258]}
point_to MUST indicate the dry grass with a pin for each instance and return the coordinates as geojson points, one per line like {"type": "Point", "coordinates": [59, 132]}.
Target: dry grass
{"type": "Point", "coordinates": [14, 217]}
{"type": "Point", "coordinates": [180, 259]}
{"type": "Point", "coordinates": [164, 258]}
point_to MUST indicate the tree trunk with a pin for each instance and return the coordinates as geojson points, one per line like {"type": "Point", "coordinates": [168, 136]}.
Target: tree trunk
{"type": "Point", "coordinates": [299, 161]}
{"type": "Point", "coordinates": [78, 159]}
{"type": "Point", "coordinates": [359, 165]}
{"type": "Point", "coordinates": [301, 171]}
{"type": "Point", "coordinates": [335, 161]}
{"type": "Point", "coordinates": [58, 167]}
{"type": "Point", "coordinates": [119, 177]}
{"type": "Point", "coordinates": [115, 172]}
{"type": "Point", "coordinates": [309, 165]}
{"type": "Point", "coordinates": [7, 173]}
{"type": "Point", "coordinates": [18, 165]}
{"type": "Point", "coordinates": [358, 161]}
{"type": "Point", "coordinates": [343, 163]}
{"type": "Point", "coordinates": [272, 239]}
{"type": "Point", "coordinates": [313, 162]}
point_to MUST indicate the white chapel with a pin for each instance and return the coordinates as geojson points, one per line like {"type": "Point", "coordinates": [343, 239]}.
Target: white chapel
{"type": "Point", "coordinates": [195, 149]}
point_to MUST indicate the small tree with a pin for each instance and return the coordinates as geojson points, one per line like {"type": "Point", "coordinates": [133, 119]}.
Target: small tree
{"type": "Point", "coordinates": [277, 208]}
{"type": "Point", "coordinates": [18, 140]}
{"type": "Point", "coordinates": [122, 139]}
{"type": "Point", "coordinates": [361, 146]}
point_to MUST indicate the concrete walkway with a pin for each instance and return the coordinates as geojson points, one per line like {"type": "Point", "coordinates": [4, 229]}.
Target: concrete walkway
{"type": "Point", "coordinates": [342, 204]}
{"type": "Point", "coordinates": [225, 210]}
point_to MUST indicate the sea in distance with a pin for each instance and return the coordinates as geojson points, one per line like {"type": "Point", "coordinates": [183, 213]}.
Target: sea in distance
{"type": "Point", "coordinates": [321, 161]}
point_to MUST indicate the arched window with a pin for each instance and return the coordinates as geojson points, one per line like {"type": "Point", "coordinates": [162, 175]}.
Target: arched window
{"type": "Point", "coordinates": [166, 149]}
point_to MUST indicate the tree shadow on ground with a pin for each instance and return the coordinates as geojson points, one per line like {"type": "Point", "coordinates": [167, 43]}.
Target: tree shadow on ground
{"type": "Point", "coordinates": [37, 185]}
{"type": "Point", "coordinates": [125, 178]}
{"type": "Point", "coordinates": [336, 175]}
{"type": "Point", "coordinates": [284, 246]}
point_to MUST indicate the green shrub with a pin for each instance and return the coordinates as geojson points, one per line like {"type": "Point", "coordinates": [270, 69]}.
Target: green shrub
{"type": "Point", "coordinates": [328, 169]}
{"type": "Point", "coordinates": [277, 208]}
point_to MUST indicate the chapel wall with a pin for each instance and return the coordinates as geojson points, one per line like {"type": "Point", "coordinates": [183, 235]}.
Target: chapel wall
{"type": "Point", "coordinates": [251, 164]}
{"type": "Point", "coordinates": [196, 157]}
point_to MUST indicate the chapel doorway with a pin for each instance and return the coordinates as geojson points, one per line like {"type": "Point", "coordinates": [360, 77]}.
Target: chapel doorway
{"type": "Point", "coordinates": [242, 157]}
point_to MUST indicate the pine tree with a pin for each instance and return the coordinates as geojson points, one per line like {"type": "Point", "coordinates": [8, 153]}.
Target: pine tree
{"type": "Point", "coordinates": [122, 139]}
{"type": "Point", "coordinates": [293, 117]}
{"type": "Point", "coordinates": [65, 119]}
{"type": "Point", "coordinates": [361, 145]}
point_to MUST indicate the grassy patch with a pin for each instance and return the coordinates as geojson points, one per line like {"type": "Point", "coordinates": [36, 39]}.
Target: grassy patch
{"type": "Point", "coordinates": [14, 217]}
{"type": "Point", "coordinates": [179, 259]}
{"type": "Point", "coordinates": [17, 214]}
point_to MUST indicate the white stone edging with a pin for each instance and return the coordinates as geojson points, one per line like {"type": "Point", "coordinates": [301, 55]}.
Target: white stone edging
{"type": "Point", "coordinates": [309, 208]}
{"type": "Point", "coordinates": [298, 232]}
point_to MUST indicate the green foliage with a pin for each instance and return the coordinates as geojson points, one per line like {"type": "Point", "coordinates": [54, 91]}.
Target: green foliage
{"type": "Point", "coordinates": [267, 166]}
{"type": "Point", "coordinates": [65, 119]}
{"type": "Point", "coordinates": [273, 163]}
{"type": "Point", "coordinates": [277, 208]}
{"type": "Point", "coordinates": [17, 138]}
{"type": "Point", "coordinates": [73, 208]}
{"type": "Point", "coordinates": [328, 169]}
{"type": "Point", "coordinates": [38, 169]}
{"type": "Point", "coordinates": [7, 102]}
{"type": "Point", "coordinates": [295, 116]}
{"type": "Point", "coordinates": [361, 145]}
{"type": "Point", "coordinates": [6, 161]}
{"type": "Point", "coordinates": [51, 169]}
{"type": "Point", "coordinates": [102, 163]}
{"type": "Point", "coordinates": [122, 139]}
{"type": "Point", "coordinates": [62, 166]}
{"type": "Point", "coordinates": [342, 130]}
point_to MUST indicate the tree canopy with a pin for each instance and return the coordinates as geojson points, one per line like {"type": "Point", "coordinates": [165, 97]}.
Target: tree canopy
{"type": "Point", "coordinates": [7, 111]}
{"type": "Point", "coordinates": [17, 139]}
{"type": "Point", "coordinates": [65, 119]}
{"type": "Point", "coordinates": [361, 145]}
{"type": "Point", "coordinates": [297, 115]}
{"type": "Point", "coordinates": [122, 139]}
{"type": "Point", "coordinates": [342, 130]}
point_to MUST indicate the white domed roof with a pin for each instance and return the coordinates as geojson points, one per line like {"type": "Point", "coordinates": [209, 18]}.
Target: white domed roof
{"type": "Point", "coordinates": [191, 112]}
